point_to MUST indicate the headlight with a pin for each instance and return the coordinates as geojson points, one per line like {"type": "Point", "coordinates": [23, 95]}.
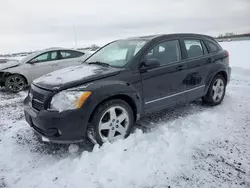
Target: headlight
{"type": "Point", "coordinates": [68, 100]}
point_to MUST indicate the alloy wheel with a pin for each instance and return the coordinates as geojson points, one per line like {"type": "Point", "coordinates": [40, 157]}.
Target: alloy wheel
{"type": "Point", "coordinates": [15, 84]}
{"type": "Point", "coordinates": [218, 89]}
{"type": "Point", "coordinates": [114, 123]}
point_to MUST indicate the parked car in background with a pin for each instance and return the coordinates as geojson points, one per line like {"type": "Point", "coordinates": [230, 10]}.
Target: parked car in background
{"type": "Point", "coordinates": [5, 60]}
{"type": "Point", "coordinates": [16, 75]}
{"type": "Point", "coordinates": [123, 81]}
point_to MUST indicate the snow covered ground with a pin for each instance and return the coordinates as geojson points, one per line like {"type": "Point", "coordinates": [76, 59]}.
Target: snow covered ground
{"type": "Point", "coordinates": [189, 146]}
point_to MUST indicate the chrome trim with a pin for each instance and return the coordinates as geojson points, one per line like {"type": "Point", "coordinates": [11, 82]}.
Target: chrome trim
{"type": "Point", "coordinates": [155, 100]}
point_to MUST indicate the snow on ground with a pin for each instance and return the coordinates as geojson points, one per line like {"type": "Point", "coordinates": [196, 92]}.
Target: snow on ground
{"type": "Point", "coordinates": [239, 53]}
{"type": "Point", "coordinates": [188, 146]}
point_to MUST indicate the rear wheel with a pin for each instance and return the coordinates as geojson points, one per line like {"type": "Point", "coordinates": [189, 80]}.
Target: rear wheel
{"type": "Point", "coordinates": [216, 91]}
{"type": "Point", "coordinates": [15, 83]}
{"type": "Point", "coordinates": [112, 120]}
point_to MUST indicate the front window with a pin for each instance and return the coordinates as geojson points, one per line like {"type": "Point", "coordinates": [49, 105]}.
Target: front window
{"type": "Point", "coordinates": [48, 56]}
{"type": "Point", "coordinates": [118, 53]}
{"type": "Point", "coordinates": [166, 52]}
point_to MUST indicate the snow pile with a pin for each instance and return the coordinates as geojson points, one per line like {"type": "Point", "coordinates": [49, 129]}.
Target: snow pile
{"type": "Point", "coordinates": [151, 159]}
{"type": "Point", "coordinates": [67, 75]}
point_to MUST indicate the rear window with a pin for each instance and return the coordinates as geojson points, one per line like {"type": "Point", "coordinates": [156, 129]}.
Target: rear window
{"type": "Point", "coordinates": [194, 48]}
{"type": "Point", "coordinates": [213, 47]}
{"type": "Point", "coordinates": [66, 54]}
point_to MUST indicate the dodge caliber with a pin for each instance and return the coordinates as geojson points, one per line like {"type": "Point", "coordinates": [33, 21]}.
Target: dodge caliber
{"type": "Point", "coordinates": [123, 81]}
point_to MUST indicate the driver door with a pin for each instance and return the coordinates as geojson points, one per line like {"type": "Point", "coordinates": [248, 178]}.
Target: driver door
{"type": "Point", "coordinates": [42, 64]}
{"type": "Point", "coordinates": [163, 86]}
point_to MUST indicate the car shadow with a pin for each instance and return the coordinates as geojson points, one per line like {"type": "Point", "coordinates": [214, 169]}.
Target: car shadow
{"type": "Point", "coordinates": [151, 121]}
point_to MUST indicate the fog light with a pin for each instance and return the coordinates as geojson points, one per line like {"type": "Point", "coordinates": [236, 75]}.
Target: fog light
{"type": "Point", "coordinates": [44, 139]}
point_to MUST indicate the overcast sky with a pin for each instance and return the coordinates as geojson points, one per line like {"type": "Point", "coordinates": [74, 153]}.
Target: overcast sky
{"type": "Point", "coordinates": [36, 24]}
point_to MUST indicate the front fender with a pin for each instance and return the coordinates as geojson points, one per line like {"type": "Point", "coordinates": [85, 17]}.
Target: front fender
{"type": "Point", "coordinates": [18, 70]}
{"type": "Point", "coordinates": [105, 89]}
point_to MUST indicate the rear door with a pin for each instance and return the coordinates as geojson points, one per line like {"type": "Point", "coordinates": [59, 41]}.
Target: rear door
{"type": "Point", "coordinates": [69, 58]}
{"type": "Point", "coordinates": [163, 86]}
{"type": "Point", "coordinates": [198, 62]}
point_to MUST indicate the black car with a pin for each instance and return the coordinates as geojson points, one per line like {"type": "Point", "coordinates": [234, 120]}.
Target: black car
{"type": "Point", "coordinates": [123, 81]}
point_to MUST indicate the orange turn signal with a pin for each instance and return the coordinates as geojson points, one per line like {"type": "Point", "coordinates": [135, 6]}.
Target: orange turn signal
{"type": "Point", "coordinates": [82, 98]}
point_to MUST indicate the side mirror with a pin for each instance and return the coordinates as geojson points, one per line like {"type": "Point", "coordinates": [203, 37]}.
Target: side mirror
{"type": "Point", "coordinates": [151, 63]}
{"type": "Point", "coordinates": [32, 61]}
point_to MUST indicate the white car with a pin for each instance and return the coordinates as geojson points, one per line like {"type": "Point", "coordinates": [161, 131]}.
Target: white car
{"type": "Point", "coordinates": [16, 75]}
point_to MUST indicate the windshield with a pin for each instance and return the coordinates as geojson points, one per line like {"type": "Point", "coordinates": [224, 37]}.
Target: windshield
{"type": "Point", "coordinates": [28, 57]}
{"type": "Point", "coordinates": [118, 53]}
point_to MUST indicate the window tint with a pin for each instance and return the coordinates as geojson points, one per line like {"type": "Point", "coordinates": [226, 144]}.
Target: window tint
{"type": "Point", "coordinates": [212, 47]}
{"type": "Point", "coordinates": [165, 52]}
{"type": "Point", "coordinates": [194, 48]}
{"type": "Point", "coordinates": [49, 56]}
{"type": "Point", "coordinates": [65, 54]}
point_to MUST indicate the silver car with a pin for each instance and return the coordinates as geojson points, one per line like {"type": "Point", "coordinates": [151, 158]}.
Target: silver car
{"type": "Point", "coordinates": [16, 75]}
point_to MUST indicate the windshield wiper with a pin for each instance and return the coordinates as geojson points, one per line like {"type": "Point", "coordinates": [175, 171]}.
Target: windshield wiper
{"type": "Point", "coordinates": [99, 63]}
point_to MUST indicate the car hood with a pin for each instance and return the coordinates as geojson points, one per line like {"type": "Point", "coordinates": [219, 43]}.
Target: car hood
{"type": "Point", "coordinates": [74, 76]}
{"type": "Point", "coordinates": [9, 64]}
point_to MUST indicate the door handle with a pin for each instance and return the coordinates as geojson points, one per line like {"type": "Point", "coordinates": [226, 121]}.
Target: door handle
{"type": "Point", "coordinates": [179, 68]}
{"type": "Point", "coordinates": [210, 60]}
{"type": "Point", "coordinates": [55, 65]}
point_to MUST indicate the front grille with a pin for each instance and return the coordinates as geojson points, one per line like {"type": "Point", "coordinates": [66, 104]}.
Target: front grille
{"type": "Point", "coordinates": [38, 99]}
{"type": "Point", "coordinates": [38, 105]}
{"type": "Point", "coordinates": [38, 96]}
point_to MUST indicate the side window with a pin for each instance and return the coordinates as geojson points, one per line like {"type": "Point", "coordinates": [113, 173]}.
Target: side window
{"type": "Point", "coordinates": [213, 48]}
{"type": "Point", "coordinates": [53, 55]}
{"type": "Point", "coordinates": [66, 54]}
{"type": "Point", "coordinates": [48, 56]}
{"type": "Point", "coordinates": [194, 48]}
{"type": "Point", "coordinates": [43, 57]}
{"type": "Point", "coordinates": [166, 52]}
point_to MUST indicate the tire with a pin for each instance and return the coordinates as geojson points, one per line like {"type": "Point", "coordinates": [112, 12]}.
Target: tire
{"type": "Point", "coordinates": [216, 91]}
{"type": "Point", "coordinates": [15, 83]}
{"type": "Point", "coordinates": [107, 124]}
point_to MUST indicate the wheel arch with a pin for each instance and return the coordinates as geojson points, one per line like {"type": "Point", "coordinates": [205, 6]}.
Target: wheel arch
{"type": "Point", "coordinates": [9, 74]}
{"type": "Point", "coordinates": [123, 97]}
{"type": "Point", "coordinates": [221, 72]}
{"type": "Point", "coordinates": [224, 74]}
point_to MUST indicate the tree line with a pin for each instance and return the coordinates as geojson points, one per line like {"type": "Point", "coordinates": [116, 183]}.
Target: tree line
{"type": "Point", "coordinates": [232, 35]}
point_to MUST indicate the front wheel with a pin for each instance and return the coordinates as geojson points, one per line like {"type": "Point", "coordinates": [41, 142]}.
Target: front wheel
{"type": "Point", "coordinates": [112, 120]}
{"type": "Point", "coordinates": [15, 83]}
{"type": "Point", "coordinates": [216, 91]}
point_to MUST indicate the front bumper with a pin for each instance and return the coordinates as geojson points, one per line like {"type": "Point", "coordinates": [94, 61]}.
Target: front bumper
{"type": "Point", "coordinates": [65, 127]}
{"type": "Point", "coordinates": [2, 78]}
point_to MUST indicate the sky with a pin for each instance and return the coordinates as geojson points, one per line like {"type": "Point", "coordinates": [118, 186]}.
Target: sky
{"type": "Point", "coordinates": [27, 25]}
